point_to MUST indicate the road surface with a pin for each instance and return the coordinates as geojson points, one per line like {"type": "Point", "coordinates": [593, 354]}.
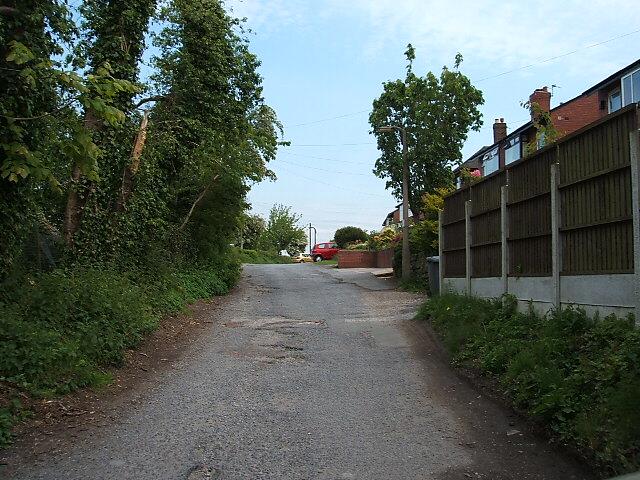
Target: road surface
{"type": "Point", "coordinates": [307, 372]}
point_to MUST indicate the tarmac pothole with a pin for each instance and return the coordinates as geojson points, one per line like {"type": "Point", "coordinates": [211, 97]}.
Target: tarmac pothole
{"type": "Point", "coordinates": [202, 472]}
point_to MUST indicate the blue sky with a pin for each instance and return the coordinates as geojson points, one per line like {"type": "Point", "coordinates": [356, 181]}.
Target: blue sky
{"type": "Point", "coordinates": [329, 58]}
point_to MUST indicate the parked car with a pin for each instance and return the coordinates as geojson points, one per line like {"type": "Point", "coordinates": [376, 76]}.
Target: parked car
{"type": "Point", "coordinates": [324, 251]}
{"type": "Point", "coordinates": [302, 258]}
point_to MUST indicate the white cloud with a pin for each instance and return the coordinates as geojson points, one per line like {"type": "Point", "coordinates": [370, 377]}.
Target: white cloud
{"type": "Point", "coordinates": [502, 33]}
{"type": "Point", "coordinates": [268, 15]}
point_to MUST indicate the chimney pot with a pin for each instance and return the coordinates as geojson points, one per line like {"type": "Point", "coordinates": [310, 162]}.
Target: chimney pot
{"type": "Point", "coordinates": [499, 130]}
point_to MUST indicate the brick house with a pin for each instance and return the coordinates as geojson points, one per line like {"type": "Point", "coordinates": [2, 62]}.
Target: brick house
{"type": "Point", "coordinates": [611, 94]}
{"type": "Point", "coordinates": [395, 218]}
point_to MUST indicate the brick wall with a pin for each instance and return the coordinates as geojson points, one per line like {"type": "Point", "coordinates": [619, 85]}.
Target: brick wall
{"type": "Point", "coordinates": [384, 258]}
{"type": "Point", "coordinates": [356, 259]}
{"type": "Point", "coordinates": [576, 114]}
{"type": "Point", "coordinates": [365, 259]}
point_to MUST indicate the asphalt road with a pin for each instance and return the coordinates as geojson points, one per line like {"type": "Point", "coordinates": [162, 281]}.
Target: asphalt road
{"type": "Point", "coordinates": [309, 373]}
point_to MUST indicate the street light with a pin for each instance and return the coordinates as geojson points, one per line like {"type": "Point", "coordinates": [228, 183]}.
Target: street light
{"type": "Point", "coordinates": [406, 258]}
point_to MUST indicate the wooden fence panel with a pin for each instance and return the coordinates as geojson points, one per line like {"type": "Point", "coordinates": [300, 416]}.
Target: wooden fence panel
{"type": "Point", "coordinates": [529, 211]}
{"type": "Point", "coordinates": [595, 193]}
{"type": "Point", "coordinates": [595, 204]}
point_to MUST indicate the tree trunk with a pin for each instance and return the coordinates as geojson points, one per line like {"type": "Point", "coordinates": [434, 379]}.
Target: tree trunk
{"type": "Point", "coordinates": [75, 201]}
{"type": "Point", "coordinates": [197, 200]}
{"type": "Point", "coordinates": [132, 168]}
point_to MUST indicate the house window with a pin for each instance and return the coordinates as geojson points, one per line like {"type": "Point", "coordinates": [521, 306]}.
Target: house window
{"type": "Point", "coordinates": [512, 150]}
{"type": "Point", "coordinates": [631, 88]}
{"type": "Point", "coordinates": [542, 141]}
{"type": "Point", "coordinates": [491, 162]}
{"type": "Point", "coordinates": [615, 101]}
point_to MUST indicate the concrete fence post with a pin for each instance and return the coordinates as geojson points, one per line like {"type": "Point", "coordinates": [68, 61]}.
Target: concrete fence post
{"type": "Point", "coordinates": [556, 247]}
{"type": "Point", "coordinates": [634, 144]}
{"type": "Point", "coordinates": [441, 249]}
{"type": "Point", "coordinates": [468, 239]}
{"type": "Point", "coordinates": [504, 236]}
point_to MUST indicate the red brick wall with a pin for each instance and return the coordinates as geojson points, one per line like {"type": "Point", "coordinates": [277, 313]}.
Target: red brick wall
{"type": "Point", "coordinates": [356, 259]}
{"type": "Point", "coordinates": [365, 259]}
{"type": "Point", "coordinates": [384, 258]}
{"type": "Point", "coordinates": [576, 114]}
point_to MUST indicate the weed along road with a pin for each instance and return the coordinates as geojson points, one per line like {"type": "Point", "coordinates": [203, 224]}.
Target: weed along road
{"type": "Point", "coordinates": [305, 372]}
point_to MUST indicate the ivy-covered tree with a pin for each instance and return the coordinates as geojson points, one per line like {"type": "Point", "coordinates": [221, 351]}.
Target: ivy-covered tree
{"type": "Point", "coordinates": [437, 112]}
{"type": "Point", "coordinates": [113, 38]}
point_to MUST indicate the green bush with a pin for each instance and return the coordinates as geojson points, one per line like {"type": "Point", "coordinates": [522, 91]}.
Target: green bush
{"type": "Point", "coordinates": [60, 331]}
{"type": "Point", "coordinates": [578, 375]}
{"type": "Point", "coordinates": [346, 235]}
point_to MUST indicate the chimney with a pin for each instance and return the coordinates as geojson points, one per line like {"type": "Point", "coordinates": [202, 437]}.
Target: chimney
{"type": "Point", "coordinates": [542, 97]}
{"type": "Point", "coordinates": [499, 130]}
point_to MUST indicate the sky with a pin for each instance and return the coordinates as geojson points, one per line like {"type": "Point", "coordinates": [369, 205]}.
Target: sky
{"type": "Point", "coordinates": [324, 62]}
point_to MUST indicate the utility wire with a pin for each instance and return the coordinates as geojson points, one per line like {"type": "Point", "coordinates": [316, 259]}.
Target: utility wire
{"type": "Point", "coordinates": [337, 117]}
{"type": "Point", "coordinates": [550, 59]}
{"type": "Point", "coordinates": [315, 180]}
{"type": "Point", "coordinates": [321, 169]}
{"type": "Point", "coordinates": [325, 159]}
{"type": "Point", "coordinates": [329, 144]}
{"type": "Point", "coordinates": [507, 72]}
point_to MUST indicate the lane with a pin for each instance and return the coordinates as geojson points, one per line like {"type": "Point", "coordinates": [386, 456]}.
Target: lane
{"type": "Point", "coordinates": [309, 372]}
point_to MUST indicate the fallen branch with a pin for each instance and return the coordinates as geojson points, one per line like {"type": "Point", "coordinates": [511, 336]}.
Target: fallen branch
{"type": "Point", "coordinates": [193, 206]}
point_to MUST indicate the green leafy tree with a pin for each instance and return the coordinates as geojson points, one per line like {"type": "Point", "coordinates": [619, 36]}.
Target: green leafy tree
{"type": "Point", "coordinates": [223, 135]}
{"type": "Point", "coordinates": [346, 235]}
{"type": "Point", "coordinates": [283, 231]}
{"type": "Point", "coordinates": [251, 229]}
{"type": "Point", "coordinates": [437, 113]}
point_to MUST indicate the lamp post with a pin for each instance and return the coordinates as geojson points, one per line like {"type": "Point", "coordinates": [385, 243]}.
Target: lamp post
{"type": "Point", "coordinates": [315, 236]}
{"type": "Point", "coordinates": [406, 253]}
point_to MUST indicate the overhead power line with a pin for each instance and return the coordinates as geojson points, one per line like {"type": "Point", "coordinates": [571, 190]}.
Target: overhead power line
{"type": "Point", "coordinates": [321, 169]}
{"type": "Point", "coordinates": [339, 187]}
{"type": "Point", "coordinates": [329, 144]}
{"type": "Point", "coordinates": [501, 74]}
{"type": "Point", "coordinates": [337, 117]}
{"type": "Point", "coordinates": [550, 59]}
{"type": "Point", "coordinates": [325, 159]}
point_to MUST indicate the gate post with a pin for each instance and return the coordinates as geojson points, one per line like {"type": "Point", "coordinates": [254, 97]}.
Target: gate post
{"type": "Point", "coordinates": [504, 235]}
{"type": "Point", "coordinates": [468, 239]}
{"type": "Point", "coordinates": [441, 249]}
{"type": "Point", "coordinates": [556, 247]}
{"type": "Point", "coordinates": [634, 144]}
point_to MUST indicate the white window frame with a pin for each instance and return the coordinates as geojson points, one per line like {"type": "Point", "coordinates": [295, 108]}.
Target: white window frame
{"type": "Point", "coordinates": [622, 89]}
{"type": "Point", "coordinates": [514, 142]}
{"type": "Point", "coordinates": [611, 93]}
{"type": "Point", "coordinates": [490, 155]}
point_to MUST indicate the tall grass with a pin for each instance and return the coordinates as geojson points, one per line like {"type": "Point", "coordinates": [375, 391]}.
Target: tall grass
{"type": "Point", "coordinates": [579, 376]}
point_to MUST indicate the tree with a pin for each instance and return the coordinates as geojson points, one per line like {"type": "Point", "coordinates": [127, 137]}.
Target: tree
{"type": "Point", "coordinates": [437, 113]}
{"type": "Point", "coordinates": [251, 229]}
{"type": "Point", "coordinates": [346, 235]}
{"type": "Point", "coordinates": [283, 232]}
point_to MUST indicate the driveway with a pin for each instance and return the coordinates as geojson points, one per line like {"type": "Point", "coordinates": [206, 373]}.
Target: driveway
{"type": "Point", "coordinates": [308, 373]}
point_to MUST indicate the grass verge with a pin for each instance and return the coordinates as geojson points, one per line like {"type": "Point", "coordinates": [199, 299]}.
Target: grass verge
{"type": "Point", "coordinates": [261, 257]}
{"type": "Point", "coordinates": [578, 376]}
{"type": "Point", "coordinates": [62, 330]}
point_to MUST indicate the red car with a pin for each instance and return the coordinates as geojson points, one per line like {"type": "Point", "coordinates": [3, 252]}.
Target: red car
{"type": "Point", "coordinates": [324, 251]}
